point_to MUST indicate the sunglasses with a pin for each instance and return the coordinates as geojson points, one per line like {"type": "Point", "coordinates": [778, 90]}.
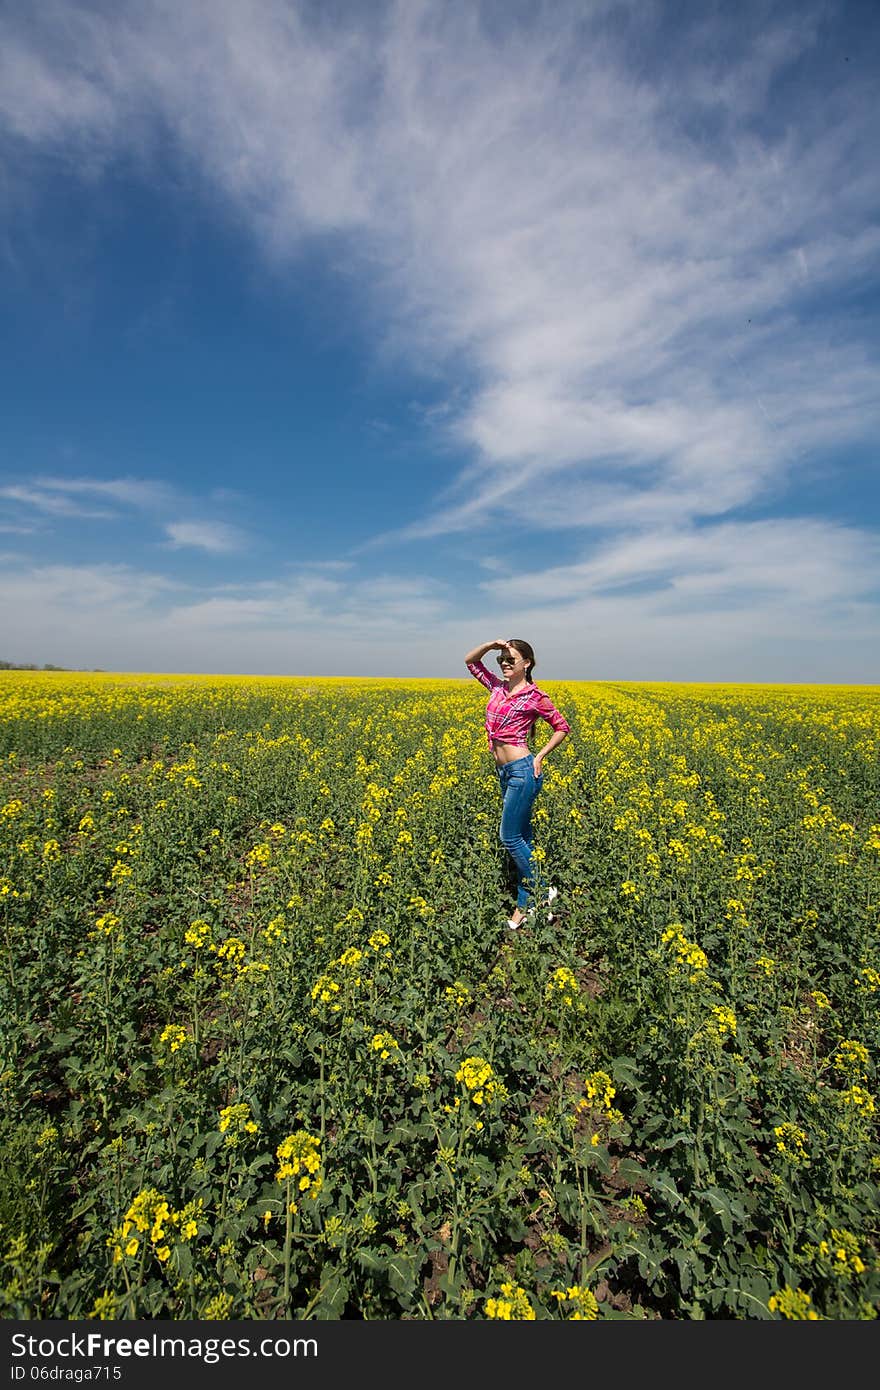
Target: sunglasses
{"type": "Point", "coordinates": [507, 660]}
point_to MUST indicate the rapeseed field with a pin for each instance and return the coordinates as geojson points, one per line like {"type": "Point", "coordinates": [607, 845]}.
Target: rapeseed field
{"type": "Point", "coordinates": [269, 1050]}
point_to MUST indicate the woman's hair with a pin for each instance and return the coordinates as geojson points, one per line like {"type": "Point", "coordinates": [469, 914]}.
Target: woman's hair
{"type": "Point", "coordinates": [525, 650]}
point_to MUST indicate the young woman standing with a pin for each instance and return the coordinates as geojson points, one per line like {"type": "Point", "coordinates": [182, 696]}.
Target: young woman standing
{"type": "Point", "coordinates": [514, 705]}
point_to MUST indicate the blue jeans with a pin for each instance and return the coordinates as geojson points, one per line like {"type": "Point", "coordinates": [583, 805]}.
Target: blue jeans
{"type": "Point", "coordinates": [519, 787]}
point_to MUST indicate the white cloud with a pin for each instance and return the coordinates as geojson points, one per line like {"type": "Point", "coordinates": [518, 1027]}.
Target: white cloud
{"type": "Point", "coordinates": [320, 566]}
{"type": "Point", "coordinates": [646, 315]}
{"type": "Point", "coordinates": [50, 503]}
{"type": "Point", "coordinates": [740, 601]}
{"type": "Point", "coordinates": [140, 493]}
{"type": "Point", "coordinates": [59, 497]}
{"type": "Point", "coordinates": [774, 597]}
{"type": "Point", "coordinates": [89, 590]}
{"type": "Point", "coordinates": [217, 537]}
{"type": "Point", "coordinates": [117, 617]}
{"type": "Point", "coordinates": [805, 561]}
{"type": "Point", "coordinates": [63, 498]}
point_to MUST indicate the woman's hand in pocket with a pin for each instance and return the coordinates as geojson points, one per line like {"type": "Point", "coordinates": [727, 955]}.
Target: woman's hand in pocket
{"type": "Point", "coordinates": [539, 767]}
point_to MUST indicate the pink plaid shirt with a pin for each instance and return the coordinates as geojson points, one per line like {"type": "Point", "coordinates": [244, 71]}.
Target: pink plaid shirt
{"type": "Point", "coordinates": [509, 718]}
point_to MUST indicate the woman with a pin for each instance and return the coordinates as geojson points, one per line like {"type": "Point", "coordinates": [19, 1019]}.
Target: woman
{"type": "Point", "coordinates": [514, 705]}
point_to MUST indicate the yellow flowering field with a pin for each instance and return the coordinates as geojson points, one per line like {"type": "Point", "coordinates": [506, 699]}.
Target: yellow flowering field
{"type": "Point", "coordinates": [269, 1050]}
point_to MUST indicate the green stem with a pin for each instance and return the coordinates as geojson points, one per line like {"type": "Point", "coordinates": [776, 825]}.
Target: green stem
{"type": "Point", "coordinates": [321, 1090]}
{"type": "Point", "coordinates": [698, 1143]}
{"type": "Point", "coordinates": [196, 1002]}
{"type": "Point", "coordinates": [288, 1232]}
{"type": "Point", "coordinates": [225, 1188]}
{"type": "Point", "coordinates": [584, 1195]}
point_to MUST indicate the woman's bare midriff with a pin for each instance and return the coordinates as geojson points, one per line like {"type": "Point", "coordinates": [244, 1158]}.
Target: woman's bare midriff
{"type": "Point", "coordinates": [508, 752]}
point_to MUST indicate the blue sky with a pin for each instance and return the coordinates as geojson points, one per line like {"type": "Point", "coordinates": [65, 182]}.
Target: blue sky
{"type": "Point", "coordinates": [342, 338]}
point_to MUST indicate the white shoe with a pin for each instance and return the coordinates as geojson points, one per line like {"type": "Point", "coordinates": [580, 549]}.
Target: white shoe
{"type": "Point", "coordinates": [551, 894]}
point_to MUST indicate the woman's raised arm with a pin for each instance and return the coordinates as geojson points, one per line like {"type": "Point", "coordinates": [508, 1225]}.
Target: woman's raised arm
{"type": "Point", "coordinates": [479, 652]}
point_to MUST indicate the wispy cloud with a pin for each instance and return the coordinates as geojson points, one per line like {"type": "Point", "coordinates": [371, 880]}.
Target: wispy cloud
{"type": "Point", "coordinates": [139, 493]}
{"type": "Point", "coordinates": [50, 503]}
{"type": "Point", "coordinates": [625, 292]}
{"type": "Point", "coordinates": [613, 243]}
{"type": "Point", "coordinates": [747, 563]}
{"type": "Point", "coordinates": [57, 590]}
{"type": "Point", "coordinates": [59, 497]}
{"type": "Point", "coordinates": [323, 566]}
{"type": "Point", "coordinates": [217, 537]}
{"type": "Point", "coordinates": [127, 618]}
{"type": "Point", "coordinates": [775, 595]}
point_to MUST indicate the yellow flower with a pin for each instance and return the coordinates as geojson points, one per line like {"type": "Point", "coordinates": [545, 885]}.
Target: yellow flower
{"type": "Point", "coordinates": [563, 988]}
{"type": "Point", "coordinates": [852, 1059]}
{"type": "Point", "coordinates": [104, 1307]}
{"type": "Point", "coordinates": [478, 1077]}
{"type": "Point", "coordinates": [324, 988]}
{"type": "Point", "coordinates": [858, 1099]}
{"type": "Point", "coordinates": [276, 930]}
{"type": "Point", "coordinates": [385, 1045]}
{"type": "Point", "coordinates": [197, 933]}
{"type": "Point", "coordinates": [793, 1304]}
{"type": "Point", "coordinates": [722, 1023]}
{"type": "Point", "coordinates": [688, 958]}
{"type": "Point", "coordinates": [599, 1091]}
{"type": "Point", "coordinates": [219, 1308]}
{"type": "Point", "coordinates": [108, 924]}
{"type": "Point", "coordinates": [149, 1215]}
{"type": "Point", "coordinates": [791, 1142]}
{"type": "Point", "coordinates": [235, 1121]}
{"type": "Point", "coordinates": [458, 994]}
{"type": "Point", "coordinates": [513, 1306]}
{"type": "Point", "coordinates": [173, 1037]}
{"type": "Point", "coordinates": [583, 1305]}
{"type": "Point", "coordinates": [300, 1156]}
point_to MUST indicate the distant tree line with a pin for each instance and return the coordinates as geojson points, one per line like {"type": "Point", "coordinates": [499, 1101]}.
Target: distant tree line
{"type": "Point", "coordinates": [29, 666]}
{"type": "Point", "coordinates": [47, 666]}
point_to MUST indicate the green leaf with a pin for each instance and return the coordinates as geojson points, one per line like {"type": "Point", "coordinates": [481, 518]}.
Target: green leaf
{"type": "Point", "coordinates": [370, 1262]}
{"type": "Point", "coordinates": [629, 1171]}
{"type": "Point", "coordinates": [663, 1184]}
{"type": "Point", "coordinates": [333, 1297]}
{"type": "Point", "coordinates": [685, 1270]}
{"type": "Point", "coordinates": [402, 1274]}
{"type": "Point", "coordinates": [673, 1140]}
